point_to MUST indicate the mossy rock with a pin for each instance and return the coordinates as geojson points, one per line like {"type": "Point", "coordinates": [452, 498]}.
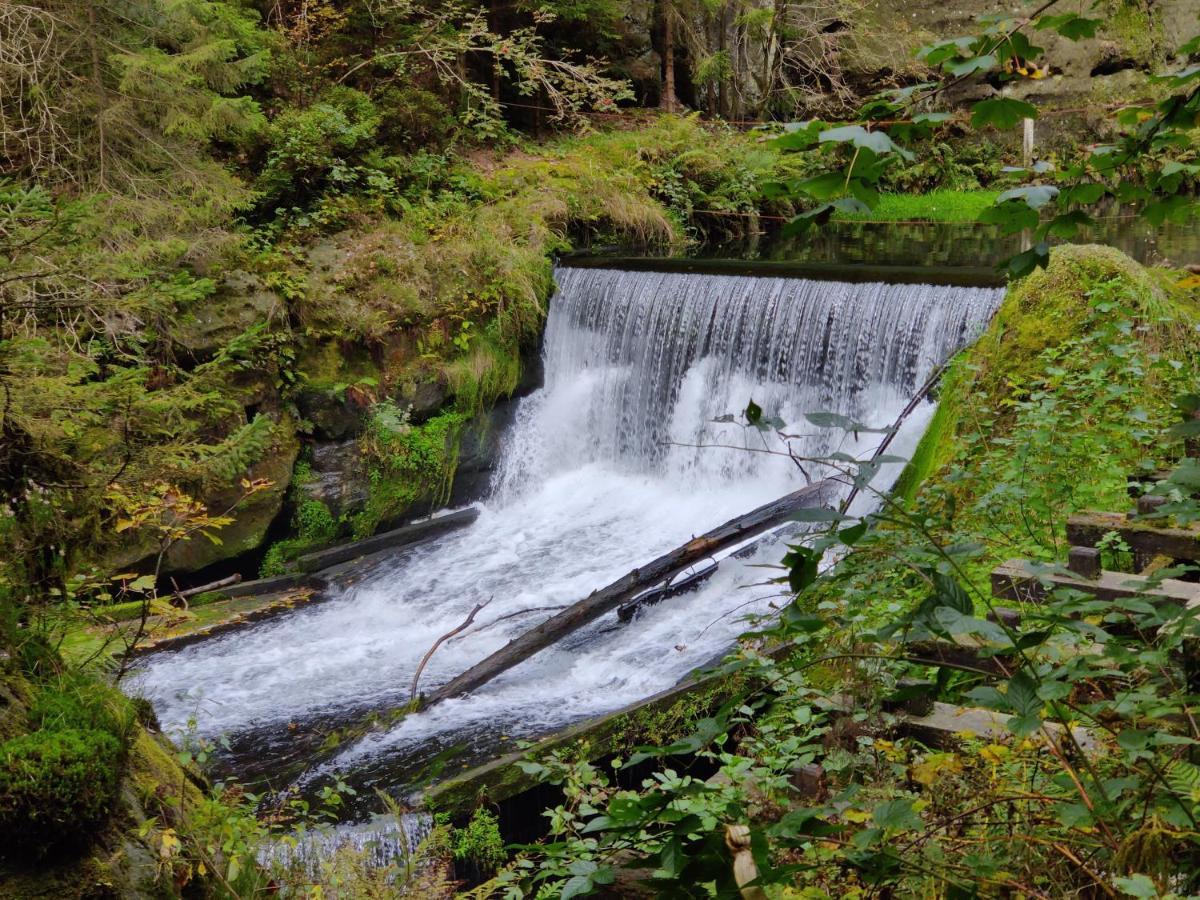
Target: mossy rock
{"type": "Point", "coordinates": [253, 517]}
{"type": "Point", "coordinates": [242, 301]}
{"type": "Point", "coordinates": [1050, 306]}
{"type": "Point", "coordinates": [1038, 313]}
{"type": "Point", "coordinates": [56, 787]}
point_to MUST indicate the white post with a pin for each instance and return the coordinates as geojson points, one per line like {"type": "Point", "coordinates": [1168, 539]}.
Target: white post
{"type": "Point", "coordinates": [1027, 144]}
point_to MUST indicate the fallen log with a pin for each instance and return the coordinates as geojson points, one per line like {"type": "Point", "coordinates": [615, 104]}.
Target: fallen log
{"type": "Point", "coordinates": [207, 588]}
{"type": "Point", "coordinates": [630, 585]}
{"type": "Point", "coordinates": [399, 537]}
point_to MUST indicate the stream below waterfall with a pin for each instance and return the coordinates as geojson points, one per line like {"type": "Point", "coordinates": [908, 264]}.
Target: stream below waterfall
{"type": "Point", "coordinates": [602, 470]}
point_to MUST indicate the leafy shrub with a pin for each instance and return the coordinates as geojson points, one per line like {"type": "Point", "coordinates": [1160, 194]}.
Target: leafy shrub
{"type": "Point", "coordinates": [316, 147]}
{"type": "Point", "coordinates": [479, 841]}
{"type": "Point", "coordinates": [56, 787]}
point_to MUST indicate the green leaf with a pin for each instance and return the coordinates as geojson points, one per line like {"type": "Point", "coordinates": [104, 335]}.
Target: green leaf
{"type": "Point", "coordinates": [1133, 739]}
{"type": "Point", "coordinates": [577, 887]}
{"type": "Point", "coordinates": [973, 65]}
{"type": "Point", "coordinates": [1137, 886]}
{"type": "Point", "coordinates": [753, 413]}
{"type": "Point", "coordinates": [949, 592]}
{"type": "Point", "coordinates": [1067, 224]}
{"type": "Point", "coordinates": [875, 141]}
{"type": "Point", "coordinates": [1035, 196]}
{"type": "Point", "coordinates": [816, 515]}
{"type": "Point", "coordinates": [851, 205]}
{"type": "Point", "coordinates": [1001, 112]}
{"type": "Point", "coordinates": [897, 815]}
{"type": "Point", "coordinates": [1072, 26]}
{"type": "Point", "coordinates": [1023, 263]}
{"type": "Point", "coordinates": [1022, 695]}
{"type": "Point", "coordinates": [1012, 217]}
{"type": "Point", "coordinates": [823, 187]}
{"type": "Point", "coordinates": [1082, 194]}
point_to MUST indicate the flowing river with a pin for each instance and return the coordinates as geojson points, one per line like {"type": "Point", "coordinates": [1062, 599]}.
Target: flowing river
{"type": "Point", "coordinates": [612, 462]}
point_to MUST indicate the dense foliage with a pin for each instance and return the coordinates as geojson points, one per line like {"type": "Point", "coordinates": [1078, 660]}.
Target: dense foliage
{"type": "Point", "coordinates": [235, 233]}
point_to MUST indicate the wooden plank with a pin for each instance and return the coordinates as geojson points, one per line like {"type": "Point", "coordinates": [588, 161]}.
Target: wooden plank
{"type": "Point", "coordinates": [399, 537]}
{"type": "Point", "coordinates": [1018, 580]}
{"type": "Point", "coordinates": [1088, 529]}
{"type": "Point", "coordinates": [264, 586]}
{"type": "Point", "coordinates": [633, 583]}
{"type": "Point", "coordinates": [940, 727]}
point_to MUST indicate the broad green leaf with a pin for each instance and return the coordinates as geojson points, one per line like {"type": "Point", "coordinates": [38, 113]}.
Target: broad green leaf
{"type": "Point", "coordinates": [822, 187]}
{"type": "Point", "coordinates": [1072, 26]}
{"type": "Point", "coordinates": [576, 887]}
{"type": "Point", "coordinates": [1082, 194]}
{"type": "Point", "coordinates": [1137, 886]}
{"type": "Point", "coordinates": [1024, 263]}
{"type": "Point", "coordinates": [973, 65]}
{"type": "Point", "coordinates": [1001, 112]}
{"type": "Point", "coordinates": [1022, 695]}
{"type": "Point", "coordinates": [896, 815]}
{"type": "Point", "coordinates": [1035, 196]}
{"type": "Point", "coordinates": [1012, 217]}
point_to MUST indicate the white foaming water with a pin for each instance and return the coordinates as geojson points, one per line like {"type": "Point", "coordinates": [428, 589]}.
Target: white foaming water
{"type": "Point", "coordinates": [600, 472]}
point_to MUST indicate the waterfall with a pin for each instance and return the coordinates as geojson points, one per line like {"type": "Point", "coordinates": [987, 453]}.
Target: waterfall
{"type": "Point", "coordinates": [611, 463]}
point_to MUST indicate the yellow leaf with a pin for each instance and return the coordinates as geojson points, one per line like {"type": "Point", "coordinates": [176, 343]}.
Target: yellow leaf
{"type": "Point", "coordinates": [124, 524]}
{"type": "Point", "coordinates": [858, 816]}
{"type": "Point", "coordinates": [936, 765]}
{"type": "Point", "coordinates": [169, 844]}
{"type": "Point", "coordinates": [1190, 283]}
{"type": "Point", "coordinates": [994, 753]}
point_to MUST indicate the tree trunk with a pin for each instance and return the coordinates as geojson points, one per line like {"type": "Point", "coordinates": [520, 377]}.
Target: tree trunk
{"type": "Point", "coordinates": [630, 585]}
{"type": "Point", "coordinates": [669, 102]}
{"type": "Point", "coordinates": [98, 81]}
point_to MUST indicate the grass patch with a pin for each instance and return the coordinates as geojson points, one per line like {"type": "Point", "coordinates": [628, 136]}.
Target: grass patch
{"type": "Point", "coordinates": [935, 206]}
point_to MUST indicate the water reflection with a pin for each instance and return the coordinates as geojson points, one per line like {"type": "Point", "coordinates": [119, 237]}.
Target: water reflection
{"type": "Point", "coordinates": [940, 244]}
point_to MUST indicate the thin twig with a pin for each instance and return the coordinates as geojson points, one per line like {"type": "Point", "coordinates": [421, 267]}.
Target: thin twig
{"type": "Point", "coordinates": [445, 637]}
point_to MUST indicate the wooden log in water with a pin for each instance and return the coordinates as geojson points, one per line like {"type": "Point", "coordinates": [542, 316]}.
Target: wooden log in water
{"type": "Point", "coordinates": [399, 537]}
{"type": "Point", "coordinates": [630, 585]}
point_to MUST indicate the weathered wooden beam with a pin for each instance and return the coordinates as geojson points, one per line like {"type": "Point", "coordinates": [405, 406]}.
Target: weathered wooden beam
{"type": "Point", "coordinates": [502, 777]}
{"type": "Point", "coordinates": [264, 586]}
{"type": "Point", "coordinates": [1084, 562]}
{"type": "Point", "coordinates": [941, 726]}
{"type": "Point", "coordinates": [633, 583]}
{"type": "Point", "coordinates": [1088, 529]}
{"type": "Point", "coordinates": [1018, 580]}
{"type": "Point", "coordinates": [399, 537]}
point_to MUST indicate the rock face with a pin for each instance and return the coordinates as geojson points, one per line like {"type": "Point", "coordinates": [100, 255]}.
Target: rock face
{"type": "Point", "coordinates": [252, 517]}
{"type": "Point", "coordinates": [339, 477]}
{"type": "Point", "coordinates": [241, 301]}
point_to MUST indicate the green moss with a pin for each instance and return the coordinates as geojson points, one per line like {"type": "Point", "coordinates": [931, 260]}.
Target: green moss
{"type": "Point", "coordinates": [1138, 28]}
{"type": "Point", "coordinates": [1040, 313]}
{"type": "Point", "coordinates": [56, 787]}
{"type": "Point", "coordinates": [1049, 306]}
{"type": "Point", "coordinates": [313, 526]}
{"type": "Point", "coordinates": [933, 206]}
{"type": "Point", "coordinates": [76, 701]}
{"type": "Point", "coordinates": [407, 464]}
